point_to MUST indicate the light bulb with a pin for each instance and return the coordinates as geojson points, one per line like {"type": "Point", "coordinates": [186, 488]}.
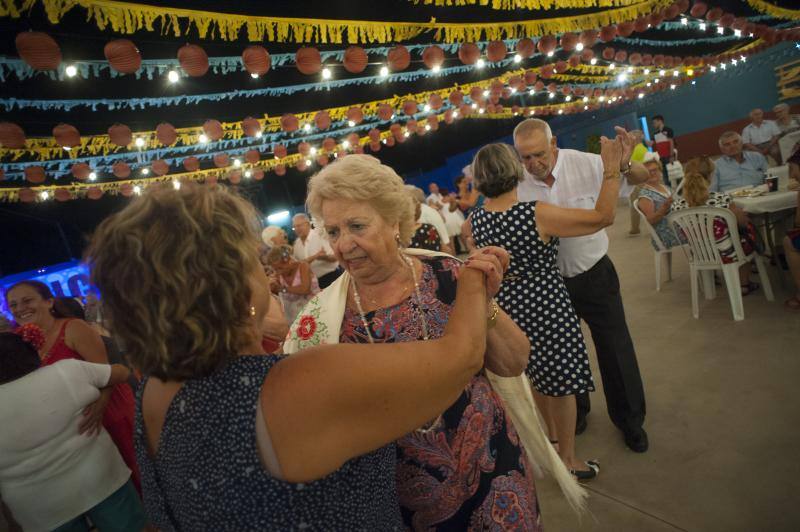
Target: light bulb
{"type": "Point", "coordinates": [532, 112]}
{"type": "Point", "coordinates": [517, 58]}
{"type": "Point", "coordinates": [384, 71]}
{"type": "Point", "coordinates": [641, 95]}
{"type": "Point", "coordinates": [139, 142]}
{"type": "Point", "coordinates": [723, 66]}
{"type": "Point", "coordinates": [383, 141]}
{"type": "Point", "coordinates": [551, 95]}
{"type": "Point", "coordinates": [568, 98]}
{"type": "Point", "coordinates": [480, 63]}
{"type": "Point", "coordinates": [612, 66]}
{"type": "Point", "coordinates": [675, 73]}
{"type": "Point", "coordinates": [743, 58]}
{"type": "Point", "coordinates": [579, 47]}
{"type": "Point", "coordinates": [307, 128]}
{"type": "Point", "coordinates": [67, 148]}
{"type": "Point", "coordinates": [602, 98]}
{"type": "Point", "coordinates": [436, 68]}
{"type": "Point", "coordinates": [630, 70]}
{"type": "Point", "coordinates": [345, 144]}
{"type": "Point", "coordinates": [585, 99]}
{"type": "Point", "coordinates": [44, 195]}
{"type": "Point", "coordinates": [427, 108]}
{"type": "Point", "coordinates": [259, 134]}
{"type": "Point", "coordinates": [684, 21]}
{"type": "Point", "coordinates": [351, 123]}
{"type": "Point", "coordinates": [392, 117]}
{"type": "Point", "coordinates": [561, 111]}
{"type": "Point", "coordinates": [690, 72]}
{"type": "Point", "coordinates": [656, 80]}
{"type": "Point", "coordinates": [308, 162]}
{"type": "Point", "coordinates": [406, 134]}
{"type": "Point", "coordinates": [71, 71]}
{"type": "Point", "coordinates": [702, 26]}
{"type": "Point", "coordinates": [313, 151]}
{"type": "Point", "coordinates": [672, 86]}
{"type": "Point", "coordinates": [427, 127]}
{"type": "Point", "coordinates": [237, 163]}
{"type": "Point", "coordinates": [585, 107]}
{"type": "Point", "coordinates": [661, 72]}
{"type": "Point", "coordinates": [481, 111]}
{"type": "Point", "coordinates": [474, 105]}
{"type": "Point", "coordinates": [551, 53]}
{"type": "Point", "coordinates": [486, 93]}
{"type": "Point", "coordinates": [176, 184]}
{"type": "Point", "coordinates": [737, 33]}
{"type": "Point", "coordinates": [326, 73]}
{"type": "Point", "coordinates": [203, 138]}
{"type": "Point", "coordinates": [254, 75]}
{"type": "Point", "coordinates": [455, 112]}
{"type": "Point", "coordinates": [532, 92]}
{"type": "Point", "coordinates": [513, 90]}
{"type": "Point", "coordinates": [622, 78]}
{"type": "Point", "coordinates": [137, 190]}
{"type": "Point", "coordinates": [92, 176]}
{"type": "Point", "coordinates": [248, 174]}
{"type": "Point", "coordinates": [145, 171]}
{"type": "Point", "coordinates": [649, 84]}
{"type": "Point", "coordinates": [593, 61]}
{"type": "Point", "coordinates": [173, 76]}
{"type": "Point", "coordinates": [720, 30]}
{"type": "Point", "coordinates": [646, 71]}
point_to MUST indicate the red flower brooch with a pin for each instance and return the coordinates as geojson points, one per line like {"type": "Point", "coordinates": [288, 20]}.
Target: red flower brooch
{"type": "Point", "coordinates": [31, 334]}
{"type": "Point", "coordinates": [306, 327]}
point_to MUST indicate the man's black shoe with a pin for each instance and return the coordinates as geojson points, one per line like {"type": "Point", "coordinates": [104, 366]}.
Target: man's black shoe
{"type": "Point", "coordinates": [636, 440]}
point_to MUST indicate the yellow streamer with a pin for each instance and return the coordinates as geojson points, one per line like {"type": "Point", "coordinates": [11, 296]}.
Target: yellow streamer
{"type": "Point", "coordinates": [123, 17]}
{"type": "Point", "coordinates": [528, 4]}
{"type": "Point", "coordinates": [774, 11]}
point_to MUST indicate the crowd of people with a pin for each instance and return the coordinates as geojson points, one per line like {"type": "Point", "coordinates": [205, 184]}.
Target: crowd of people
{"type": "Point", "coordinates": [361, 377]}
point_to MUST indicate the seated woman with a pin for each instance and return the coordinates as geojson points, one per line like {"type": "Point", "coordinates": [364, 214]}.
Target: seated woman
{"type": "Point", "coordinates": [791, 246]}
{"type": "Point", "coordinates": [425, 236]}
{"type": "Point", "coordinates": [51, 476]}
{"type": "Point", "coordinates": [696, 194]}
{"type": "Point", "coordinates": [655, 200]}
{"type": "Point", "coordinates": [450, 469]}
{"type": "Point", "coordinates": [230, 438]}
{"type": "Point", "coordinates": [294, 280]}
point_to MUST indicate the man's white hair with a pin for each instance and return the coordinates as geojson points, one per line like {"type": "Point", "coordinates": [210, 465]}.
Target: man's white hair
{"type": "Point", "coordinates": [729, 135]}
{"type": "Point", "coordinates": [529, 125]}
{"type": "Point", "coordinates": [301, 216]}
{"type": "Point", "coordinates": [782, 105]}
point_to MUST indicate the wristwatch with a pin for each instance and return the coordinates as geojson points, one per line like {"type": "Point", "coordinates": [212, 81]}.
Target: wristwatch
{"type": "Point", "coordinates": [626, 170]}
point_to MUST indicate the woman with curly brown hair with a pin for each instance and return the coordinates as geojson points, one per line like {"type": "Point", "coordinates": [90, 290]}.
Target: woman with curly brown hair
{"type": "Point", "coordinates": [229, 437]}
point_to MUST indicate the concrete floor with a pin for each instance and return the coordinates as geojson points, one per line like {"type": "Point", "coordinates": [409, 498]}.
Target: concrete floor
{"type": "Point", "coordinates": [723, 413]}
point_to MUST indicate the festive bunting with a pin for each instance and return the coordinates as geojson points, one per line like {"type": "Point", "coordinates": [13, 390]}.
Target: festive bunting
{"type": "Point", "coordinates": [773, 10]}
{"type": "Point", "coordinates": [528, 4]}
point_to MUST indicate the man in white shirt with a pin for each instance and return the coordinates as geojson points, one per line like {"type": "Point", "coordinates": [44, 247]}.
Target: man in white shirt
{"type": "Point", "coordinates": [762, 135]}
{"type": "Point", "coordinates": [431, 216]}
{"type": "Point", "coordinates": [569, 178]}
{"type": "Point", "coordinates": [310, 247]}
{"type": "Point", "coordinates": [435, 199]}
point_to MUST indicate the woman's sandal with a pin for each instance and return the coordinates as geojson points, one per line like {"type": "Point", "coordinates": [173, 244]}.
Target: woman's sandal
{"type": "Point", "coordinates": [749, 288]}
{"type": "Point", "coordinates": [583, 475]}
{"type": "Point", "coordinates": [792, 304]}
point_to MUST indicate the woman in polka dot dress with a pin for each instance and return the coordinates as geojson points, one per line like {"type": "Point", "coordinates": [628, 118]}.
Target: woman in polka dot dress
{"type": "Point", "coordinates": [533, 291]}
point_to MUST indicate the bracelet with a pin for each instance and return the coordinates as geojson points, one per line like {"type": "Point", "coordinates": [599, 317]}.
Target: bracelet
{"type": "Point", "coordinates": [492, 320]}
{"type": "Point", "coordinates": [627, 171]}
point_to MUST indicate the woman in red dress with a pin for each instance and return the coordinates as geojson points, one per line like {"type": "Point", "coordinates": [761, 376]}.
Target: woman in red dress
{"type": "Point", "coordinates": [32, 302]}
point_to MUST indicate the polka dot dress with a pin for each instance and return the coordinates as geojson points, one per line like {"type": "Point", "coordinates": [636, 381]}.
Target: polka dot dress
{"type": "Point", "coordinates": [207, 474]}
{"type": "Point", "coordinates": [534, 295]}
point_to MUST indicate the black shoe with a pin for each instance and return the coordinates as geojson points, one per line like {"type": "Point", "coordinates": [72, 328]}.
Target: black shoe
{"type": "Point", "coordinates": [582, 475]}
{"type": "Point", "coordinates": [580, 425]}
{"type": "Point", "coordinates": [636, 440]}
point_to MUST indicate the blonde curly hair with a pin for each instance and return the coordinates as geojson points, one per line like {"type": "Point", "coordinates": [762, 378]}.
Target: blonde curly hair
{"type": "Point", "coordinates": [363, 178]}
{"type": "Point", "coordinates": [173, 269]}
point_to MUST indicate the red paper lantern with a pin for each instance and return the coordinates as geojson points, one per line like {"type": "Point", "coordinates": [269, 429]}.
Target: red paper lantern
{"type": "Point", "coordinates": [476, 94]}
{"type": "Point", "coordinates": [193, 60]}
{"type": "Point", "coordinates": [221, 160]}
{"type": "Point", "coordinates": [699, 9]}
{"type": "Point", "coordinates": [35, 174]}
{"type": "Point", "coordinates": [526, 47]}
{"type": "Point", "coordinates": [668, 61]}
{"type": "Point", "coordinates": [469, 53]}
{"type": "Point", "coordinates": [322, 160]}
{"type": "Point", "coordinates": [81, 171]}
{"type": "Point", "coordinates": [120, 135]}
{"type": "Point", "coordinates": [11, 136]}
{"type": "Point", "coordinates": [280, 151]}
{"type": "Point", "coordinates": [641, 23]}
{"type": "Point", "coordinates": [411, 126]}
{"type": "Point", "coordinates": [635, 59]}
{"type": "Point", "coordinates": [566, 89]}
{"type": "Point", "coordinates": [409, 107]}
{"type": "Point", "coordinates": [432, 56]}
{"type": "Point", "coordinates": [375, 147]}
{"type": "Point", "coordinates": [66, 136]}
{"type": "Point", "coordinates": [322, 120]}
{"type": "Point", "coordinates": [607, 33]}
{"type": "Point", "coordinates": [448, 116]}
{"type": "Point", "coordinates": [39, 50]}
{"type": "Point", "coordinates": [289, 123]}
{"type": "Point", "coordinates": [160, 167]}
{"type": "Point", "coordinates": [465, 110]}
{"type": "Point", "coordinates": [329, 144]}
{"type": "Point", "coordinates": [308, 60]}
{"type": "Point", "coordinates": [552, 87]}
{"type": "Point", "coordinates": [252, 156]}
{"type": "Point", "coordinates": [588, 38]}
{"type": "Point", "coordinates": [496, 51]}
{"type": "Point", "coordinates": [672, 11]}
{"type": "Point", "coordinates": [435, 101]}
{"type": "Point", "coordinates": [121, 169]}
{"type": "Point", "coordinates": [568, 41]}
{"type": "Point", "coordinates": [396, 129]}
{"type": "Point", "coordinates": [539, 85]}
{"type": "Point", "coordinates": [390, 141]}
{"type": "Point", "coordinates": [353, 139]}
{"type": "Point", "coordinates": [727, 20]}
{"type": "Point", "coordinates": [398, 58]}
{"type": "Point", "coordinates": [258, 174]}
{"type": "Point", "coordinates": [126, 189]}
{"type": "Point", "coordinates": [303, 148]}
{"type": "Point", "coordinates": [546, 71]}
{"type": "Point", "coordinates": [608, 53]}
{"type": "Point", "coordinates": [385, 111]}
{"type": "Point", "coordinates": [256, 59]}
{"type": "Point", "coordinates": [250, 126]}
{"type": "Point", "coordinates": [301, 165]}
{"type": "Point", "coordinates": [506, 93]}
{"type": "Point", "coordinates": [166, 134]}
{"type": "Point", "coordinates": [625, 29]}
{"type": "Point", "coordinates": [27, 195]}
{"type": "Point", "coordinates": [433, 121]}
{"type": "Point", "coordinates": [374, 135]}
{"type": "Point", "coordinates": [355, 114]}
{"type": "Point", "coordinates": [62, 194]}
{"type": "Point", "coordinates": [574, 60]}
{"type": "Point", "coordinates": [355, 59]}
{"type": "Point", "coordinates": [714, 14]}
{"type": "Point", "coordinates": [235, 177]}
{"type": "Point", "coordinates": [123, 56]}
{"type": "Point", "coordinates": [683, 5]}
{"type": "Point", "coordinates": [587, 54]}
{"type": "Point", "coordinates": [530, 77]}
{"type": "Point", "coordinates": [94, 193]}
{"type": "Point", "coordinates": [561, 67]}
{"type": "Point", "coordinates": [213, 129]}
{"type": "Point", "coordinates": [647, 59]}
{"type": "Point", "coordinates": [546, 44]}
{"type": "Point", "coordinates": [280, 169]}
{"type": "Point", "coordinates": [620, 56]}
{"type": "Point", "coordinates": [191, 164]}
{"type": "Point", "coordinates": [658, 60]}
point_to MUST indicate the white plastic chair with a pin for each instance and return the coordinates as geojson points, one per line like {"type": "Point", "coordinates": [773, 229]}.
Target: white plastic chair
{"type": "Point", "coordinates": [662, 251]}
{"type": "Point", "coordinates": [697, 225]}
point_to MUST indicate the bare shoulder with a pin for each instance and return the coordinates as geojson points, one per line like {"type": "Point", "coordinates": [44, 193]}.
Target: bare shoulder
{"type": "Point", "coordinates": [79, 328]}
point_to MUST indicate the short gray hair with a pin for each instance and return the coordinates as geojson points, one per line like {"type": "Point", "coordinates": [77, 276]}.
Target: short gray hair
{"type": "Point", "coordinates": [529, 125]}
{"type": "Point", "coordinates": [301, 216]}
{"type": "Point", "coordinates": [497, 169]}
{"type": "Point", "coordinates": [417, 194]}
{"type": "Point", "coordinates": [729, 135]}
{"type": "Point", "coordinates": [782, 105]}
{"type": "Point", "coordinates": [270, 232]}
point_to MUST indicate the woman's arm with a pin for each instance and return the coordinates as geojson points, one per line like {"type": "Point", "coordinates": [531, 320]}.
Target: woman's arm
{"type": "Point", "coordinates": [328, 404]}
{"type": "Point", "coordinates": [468, 200]}
{"type": "Point", "coordinates": [304, 288]}
{"type": "Point", "coordinates": [741, 217]}
{"type": "Point", "coordinates": [507, 347]}
{"type": "Point", "coordinates": [119, 374]}
{"type": "Point", "coordinates": [650, 212]}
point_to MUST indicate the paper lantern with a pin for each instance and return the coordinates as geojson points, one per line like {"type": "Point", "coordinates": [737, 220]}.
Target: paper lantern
{"type": "Point", "coordinates": [714, 14]}
{"type": "Point", "coordinates": [739, 23]}
{"type": "Point", "coordinates": [656, 18]}
{"type": "Point", "coordinates": [355, 59]}
{"type": "Point", "coordinates": [608, 53]}
{"type": "Point", "coordinates": [683, 5]}
{"type": "Point", "coordinates": [301, 165]}
{"type": "Point", "coordinates": [448, 116]}
{"type": "Point", "coordinates": [375, 147]}
{"type": "Point", "coordinates": [561, 66]}
{"type": "Point", "coordinates": [256, 60]}
{"type": "Point", "coordinates": [221, 160]}
{"type": "Point", "coordinates": [635, 59]}
{"type": "Point", "coordinates": [433, 56]}
{"type": "Point", "coordinates": [495, 98]}
{"type": "Point", "coordinates": [211, 181]}
{"type": "Point", "coordinates": [353, 139]}
{"type": "Point", "coordinates": [34, 174]}
{"type": "Point", "coordinates": [496, 51]}
{"type": "Point", "coordinates": [280, 169]}
{"type": "Point", "coordinates": [669, 61]}
{"type": "Point", "coordinates": [160, 167]}
{"type": "Point", "coordinates": [411, 126]}
{"type": "Point", "coordinates": [94, 193]}
{"type": "Point", "coordinates": [66, 136]}
{"type": "Point", "coordinates": [546, 71]}
{"type": "Point", "coordinates": [303, 148]}
{"type": "Point", "coordinates": [390, 141]}
{"type": "Point", "coordinates": [647, 59]}
{"type": "Point", "coordinates": [398, 58]}
{"type": "Point", "coordinates": [252, 156]}
{"type": "Point", "coordinates": [641, 23]}
{"type": "Point", "coordinates": [308, 60]}
{"type": "Point", "coordinates": [433, 121]}
{"type": "Point", "coordinates": [322, 160]}
{"type": "Point", "coordinates": [435, 101]}
{"type": "Point", "coordinates": [588, 38]}
{"type": "Point", "coordinates": [355, 114]}
{"type": "Point", "coordinates": [552, 87]}
{"type": "Point", "coordinates": [258, 174]}
{"type": "Point", "coordinates": [11, 136]}
{"type": "Point", "coordinates": [322, 120]}
{"type": "Point", "coordinates": [574, 60]}
{"type": "Point", "coordinates": [166, 134]}
{"type": "Point", "coordinates": [469, 53]}
{"type": "Point", "coordinates": [672, 11]}
{"type": "Point", "coordinates": [62, 194]}
{"type": "Point", "coordinates": [476, 94]}
{"type": "Point", "coordinates": [374, 135]}
{"type": "Point", "coordinates": [530, 77]}
{"type": "Point", "coordinates": [123, 56]}
{"type": "Point", "coordinates": [625, 29]}
{"type": "Point", "coordinates": [27, 195]}
{"type": "Point", "coordinates": [126, 189]}
{"type": "Point", "coordinates": [465, 110]}
{"type": "Point", "coordinates": [235, 177]}
{"type": "Point", "coordinates": [607, 33]}
{"type": "Point", "coordinates": [539, 85]}
{"type": "Point", "coordinates": [289, 123]}
{"type": "Point", "coordinates": [385, 111]}
{"type": "Point", "coordinates": [699, 9]}
{"type": "Point", "coordinates": [120, 135]}
{"type": "Point", "coordinates": [193, 60]}
{"type": "Point", "coordinates": [516, 82]}
{"type": "Point", "coordinates": [526, 47]}
{"type": "Point", "coordinates": [81, 171]}
{"type": "Point", "coordinates": [121, 170]}
{"type": "Point", "coordinates": [38, 50]}
{"type": "Point", "coordinates": [250, 126]}
{"type": "Point", "coordinates": [546, 44]}
{"type": "Point", "coordinates": [727, 20]}
{"type": "Point", "coordinates": [213, 129]}
{"type": "Point", "coordinates": [329, 144]}
{"type": "Point", "coordinates": [620, 56]}
{"type": "Point", "coordinates": [279, 151]}
{"type": "Point", "coordinates": [568, 41]}
{"type": "Point", "coordinates": [191, 164]}
{"type": "Point", "coordinates": [409, 107]}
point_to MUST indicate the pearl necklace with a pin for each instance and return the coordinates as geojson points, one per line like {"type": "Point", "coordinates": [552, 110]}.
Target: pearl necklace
{"type": "Point", "coordinates": [423, 322]}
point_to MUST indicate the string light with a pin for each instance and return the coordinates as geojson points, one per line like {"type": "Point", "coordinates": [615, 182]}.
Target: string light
{"type": "Point", "coordinates": [517, 58]}
{"type": "Point", "coordinates": [593, 61]}
{"type": "Point", "coordinates": [641, 95]}
{"type": "Point", "coordinates": [649, 84]}
{"type": "Point", "coordinates": [672, 86]}
{"type": "Point", "coordinates": [602, 98]}
{"type": "Point", "coordinates": [532, 92]}
{"type": "Point", "coordinates": [551, 95]}
{"type": "Point", "coordinates": [248, 174]}
{"type": "Point", "coordinates": [326, 73]}
{"type": "Point", "coordinates": [646, 71]}
{"type": "Point", "coordinates": [737, 33]}
{"type": "Point", "coordinates": [568, 98]}
{"type": "Point", "coordinates": [585, 99]}
{"type": "Point", "coordinates": [67, 148]}
{"type": "Point", "coordinates": [579, 47]}
{"type": "Point", "coordinates": [550, 53]}
{"type": "Point", "coordinates": [307, 128]}
{"type": "Point", "coordinates": [722, 66]}
{"type": "Point", "coordinates": [474, 105]}
{"type": "Point", "coordinates": [656, 80]}
{"type": "Point", "coordinates": [702, 26]}
{"type": "Point", "coordinates": [427, 108]}
{"type": "Point", "coordinates": [427, 127]}
{"type": "Point", "coordinates": [313, 150]}
{"type": "Point", "coordinates": [351, 123]}
{"type": "Point", "coordinates": [254, 75]}
{"type": "Point", "coordinates": [44, 195]}
{"type": "Point", "coordinates": [561, 111]}
{"type": "Point", "coordinates": [720, 30]}
{"type": "Point", "coordinates": [259, 134]}
{"type": "Point", "coordinates": [436, 68]}
{"type": "Point", "coordinates": [733, 62]}
{"type": "Point", "coordinates": [145, 171]}
{"type": "Point", "coordinates": [486, 93]}
{"type": "Point", "coordinates": [743, 58]}
{"type": "Point", "coordinates": [406, 134]}
{"type": "Point", "coordinates": [384, 71]}
{"type": "Point", "coordinates": [383, 141]}
{"type": "Point", "coordinates": [173, 76]}
{"type": "Point", "coordinates": [630, 70]}
{"type": "Point", "coordinates": [139, 142]}
{"type": "Point", "coordinates": [345, 144]}
{"type": "Point", "coordinates": [481, 111]}
{"type": "Point", "coordinates": [480, 63]}
{"type": "Point", "coordinates": [585, 107]}
{"type": "Point", "coordinates": [690, 72]}
{"type": "Point", "coordinates": [203, 138]}
{"type": "Point", "coordinates": [455, 115]}
{"type": "Point", "coordinates": [513, 90]}
{"type": "Point", "coordinates": [675, 73]}
{"type": "Point", "coordinates": [612, 66]}
{"type": "Point", "coordinates": [137, 190]}
{"type": "Point", "coordinates": [308, 162]}
{"type": "Point", "coordinates": [71, 71]}
{"type": "Point", "coordinates": [237, 163]}
{"type": "Point", "coordinates": [92, 176]}
{"type": "Point", "coordinates": [713, 68]}
{"type": "Point", "coordinates": [684, 21]}
{"type": "Point", "coordinates": [622, 78]}
{"type": "Point", "coordinates": [176, 184]}
{"type": "Point", "coordinates": [662, 72]}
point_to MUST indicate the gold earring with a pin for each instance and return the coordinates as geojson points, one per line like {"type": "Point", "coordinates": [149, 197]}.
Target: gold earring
{"type": "Point", "coordinates": [252, 310]}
